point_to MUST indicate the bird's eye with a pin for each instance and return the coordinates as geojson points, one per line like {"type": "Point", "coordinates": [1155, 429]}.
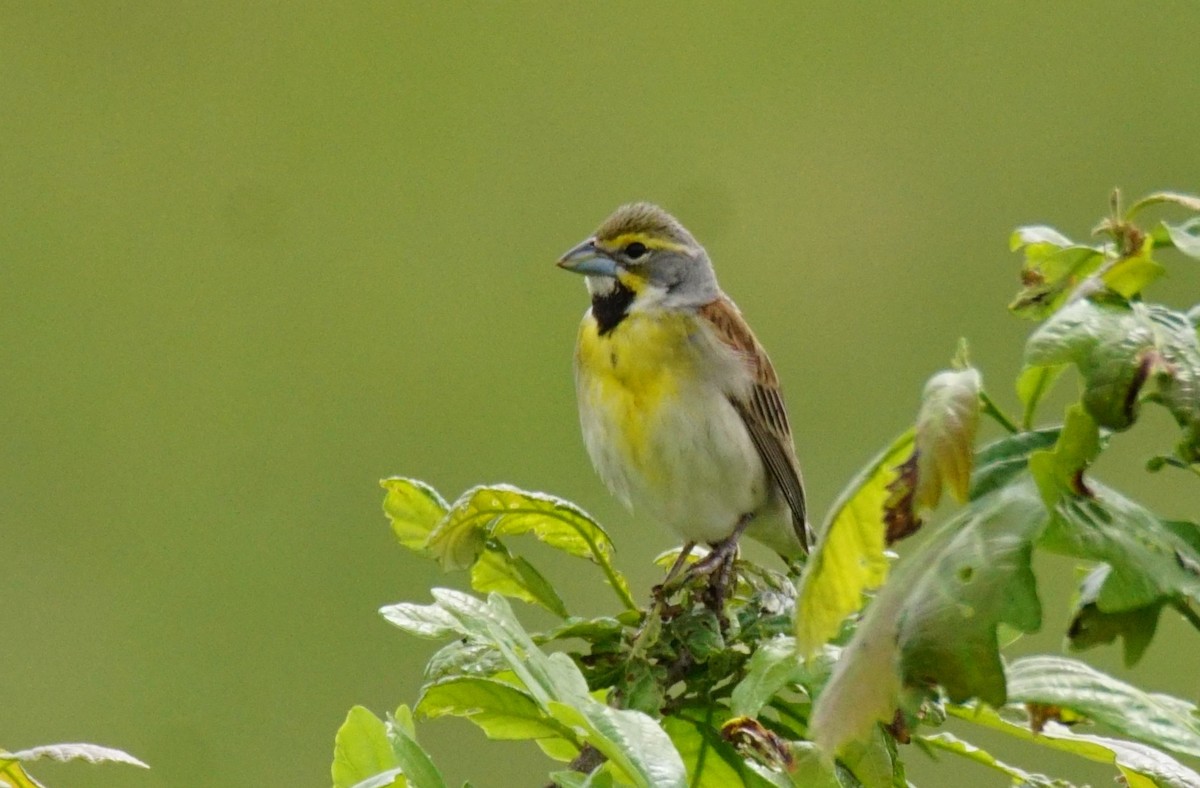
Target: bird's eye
{"type": "Point", "coordinates": [635, 250]}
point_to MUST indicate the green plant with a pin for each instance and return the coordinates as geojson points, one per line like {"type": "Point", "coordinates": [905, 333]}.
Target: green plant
{"type": "Point", "coordinates": [12, 764]}
{"type": "Point", "coordinates": [822, 678]}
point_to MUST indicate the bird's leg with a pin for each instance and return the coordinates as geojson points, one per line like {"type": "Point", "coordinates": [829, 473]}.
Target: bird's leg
{"type": "Point", "coordinates": [719, 563]}
{"type": "Point", "coordinates": [647, 633]}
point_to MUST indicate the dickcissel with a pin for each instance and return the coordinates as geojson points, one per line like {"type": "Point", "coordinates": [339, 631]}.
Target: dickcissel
{"type": "Point", "coordinates": [681, 409]}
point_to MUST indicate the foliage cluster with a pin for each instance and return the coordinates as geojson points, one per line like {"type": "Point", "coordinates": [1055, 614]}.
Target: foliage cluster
{"type": "Point", "coordinates": [822, 677]}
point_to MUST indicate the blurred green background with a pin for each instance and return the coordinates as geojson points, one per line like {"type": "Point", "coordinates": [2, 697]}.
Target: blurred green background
{"type": "Point", "coordinates": [254, 257]}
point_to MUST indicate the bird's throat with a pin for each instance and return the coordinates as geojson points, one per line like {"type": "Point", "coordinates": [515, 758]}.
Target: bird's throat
{"type": "Point", "coordinates": [611, 307]}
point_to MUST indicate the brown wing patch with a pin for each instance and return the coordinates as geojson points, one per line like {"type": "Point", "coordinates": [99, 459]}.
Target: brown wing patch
{"type": "Point", "coordinates": [763, 410]}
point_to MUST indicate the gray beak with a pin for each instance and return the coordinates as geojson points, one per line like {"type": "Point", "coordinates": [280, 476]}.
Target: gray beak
{"type": "Point", "coordinates": [587, 259]}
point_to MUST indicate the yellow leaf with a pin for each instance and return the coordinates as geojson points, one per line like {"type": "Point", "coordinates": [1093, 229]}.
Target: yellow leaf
{"type": "Point", "coordinates": [849, 557]}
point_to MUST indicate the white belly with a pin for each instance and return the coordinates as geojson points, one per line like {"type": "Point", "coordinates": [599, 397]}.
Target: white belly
{"type": "Point", "coordinates": [664, 437]}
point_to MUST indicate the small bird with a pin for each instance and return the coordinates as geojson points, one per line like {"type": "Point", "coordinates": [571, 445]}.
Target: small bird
{"type": "Point", "coordinates": [681, 410]}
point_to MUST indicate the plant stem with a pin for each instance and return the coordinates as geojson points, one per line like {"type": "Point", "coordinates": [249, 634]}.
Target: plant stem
{"type": "Point", "coordinates": [1186, 611]}
{"type": "Point", "coordinates": [614, 579]}
{"type": "Point", "coordinates": [990, 408]}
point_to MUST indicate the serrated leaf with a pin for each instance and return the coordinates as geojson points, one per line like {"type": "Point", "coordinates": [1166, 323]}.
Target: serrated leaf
{"type": "Point", "coordinates": [946, 426]}
{"type": "Point", "coordinates": [640, 686]}
{"type": "Point", "coordinates": [361, 751]}
{"type": "Point", "coordinates": [975, 579]}
{"type": "Point", "coordinates": [484, 513]}
{"type": "Point", "coordinates": [501, 710]}
{"type": "Point", "coordinates": [1150, 562]}
{"type": "Point", "coordinates": [1140, 766]}
{"type": "Point", "coordinates": [935, 621]}
{"type": "Point", "coordinates": [1185, 236]}
{"type": "Point", "coordinates": [948, 742]}
{"type": "Point", "coordinates": [1033, 384]}
{"type": "Point", "coordinates": [849, 556]}
{"type": "Point", "coordinates": [1117, 347]}
{"type": "Point", "coordinates": [501, 510]}
{"type": "Point", "coordinates": [414, 509]}
{"type": "Point", "coordinates": [1090, 626]}
{"type": "Point", "coordinates": [773, 666]}
{"type": "Point", "coordinates": [496, 569]}
{"type": "Point", "coordinates": [1157, 720]}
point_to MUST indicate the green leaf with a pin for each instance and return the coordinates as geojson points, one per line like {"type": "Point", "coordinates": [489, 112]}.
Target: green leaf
{"type": "Point", "coordinates": [498, 570]}
{"type": "Point", "coordinates": [1117, 347]}
{"type": "Point", "coordinates": [632, 741]}
{"type": "Point", "coordinates": [1158, 720]}
{"type": "Point", "coordinates": [1050, 272]}
{"type": "Point", "coordinates": [975, 577]}
{"type": "Point", "coordinates": [463, 657]}
{"type": "Point", "coordinates": [773, 666]}
{"type": "Point", "coordinates": [501, 710]}
{"type": "Point", "coordinates": [1187, 201]}
{"type": "Point", "coordinates": [414, 509]}
{"type": "Point", "coordinates": [484, 513]}
{"type": "Point", "coordinates": [1129, 275]}
{"type": "Point", "coordinates": [1091, 626]}
{"type": "Point", "coordinates": [873, 761]}
{"type": "Point", "coordinates": [813, 769]}
{"type": "Point", "coordinates": [935, 621]}
{"type": "Point", "coordinates": [1140, 766]}
{"type": "Point", "coordinates": [1106, 343]}
{"type": "Point", "coordinates": [13, 775]}
{"type": "Point", "coordinates": [424, 621]}
{"type": "Point", "coordinates": [92, 753]}
{"type": "Point", "coordinates": [1059, 471]}
{"type": "Point", "coordinates": [1185, 236]}
{"type": "Point", "coordinates": [640, 686]}
{"type": "Point", "coordinates": [1033, 384]}
{"type": "Point", "coordinates": [600, 778]}
{"type": "Point", "coordinates": [1150, 561]}
{"type": "Point", "coordinates": [948, 742]}
{"type": "Point", "coordinates": [592, 630]}
{"type": "Point", "coordinates": [361, 750]}
{"type": "Point", "coordinates": [849, 556]}
{"type": "Point", "coordinates": [946, 426]}
{"type": "Point", "coordinates": [414, 762]}
{"type": "Point", "coordinates": [711, 762]}
{"type": "Point", "coordinates": [1038, 234]}
{"type": "Point", "coordinates": [998, 463]}
{"type": "Point", "coordinates": [501, 510]}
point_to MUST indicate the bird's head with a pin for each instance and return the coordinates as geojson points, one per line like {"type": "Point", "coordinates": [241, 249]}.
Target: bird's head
{"type": "Point", "coordinates": [645, 251]}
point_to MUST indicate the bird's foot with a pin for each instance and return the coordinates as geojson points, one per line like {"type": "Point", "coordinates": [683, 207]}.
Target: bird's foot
{"type": "Point", "coordinates": [718, 566]}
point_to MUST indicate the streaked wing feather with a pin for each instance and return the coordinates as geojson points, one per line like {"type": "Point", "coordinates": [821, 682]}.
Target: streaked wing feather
{"type": "Point", "coordinates": [762, 410]}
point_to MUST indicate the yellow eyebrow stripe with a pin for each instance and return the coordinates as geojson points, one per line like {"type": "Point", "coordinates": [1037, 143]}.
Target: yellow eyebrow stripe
{"type": "Point", "coordinates": [649, 241]}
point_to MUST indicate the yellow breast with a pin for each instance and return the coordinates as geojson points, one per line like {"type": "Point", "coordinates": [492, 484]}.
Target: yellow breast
{"type": "Point", "coordinates": [639, 367]}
